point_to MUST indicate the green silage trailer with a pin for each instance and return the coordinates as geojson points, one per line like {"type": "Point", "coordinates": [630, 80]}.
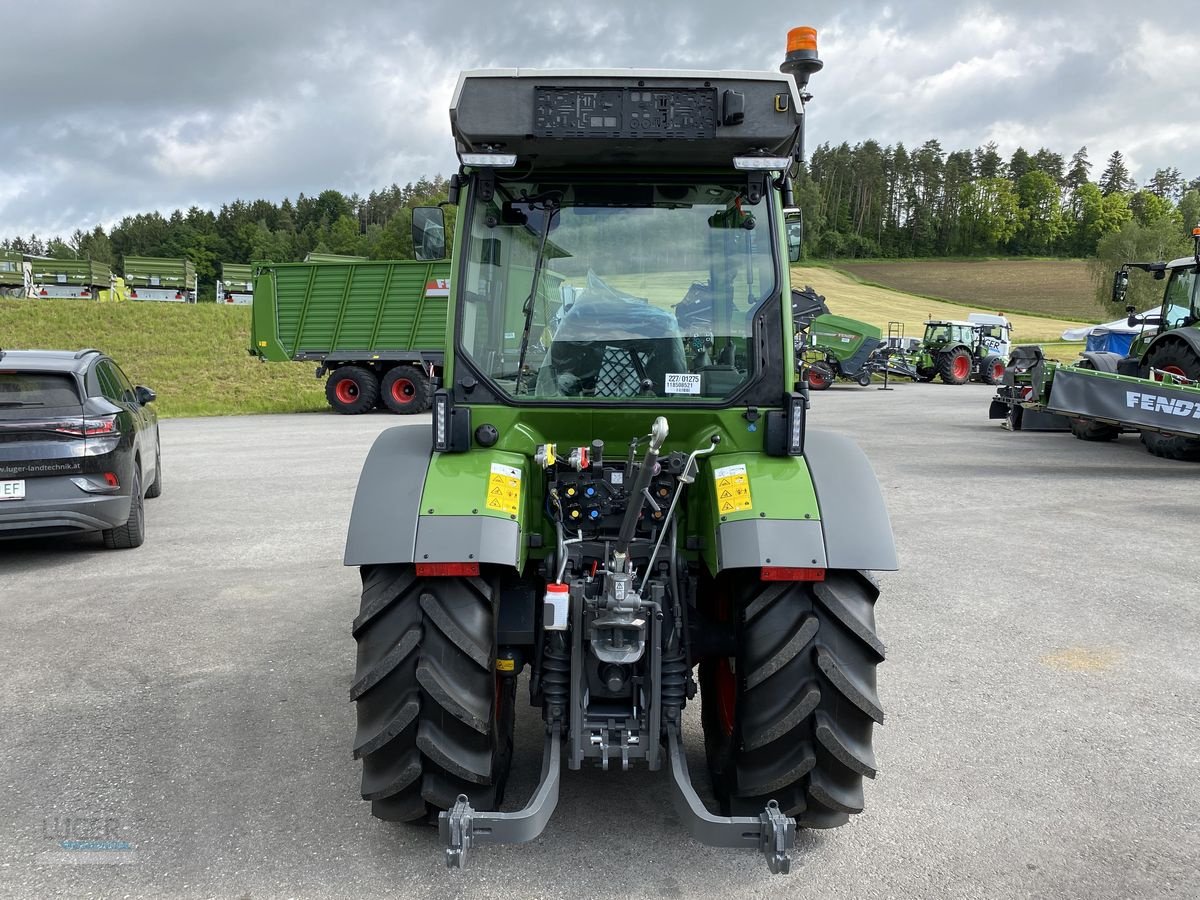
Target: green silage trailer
{"type": "Point", "coordinates": [377, 328]}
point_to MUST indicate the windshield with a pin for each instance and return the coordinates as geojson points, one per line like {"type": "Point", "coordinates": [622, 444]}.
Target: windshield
{"type": "Point", "coordinates": [643, 290]}
{"type": "Point", "coordinates": [1179, 301]}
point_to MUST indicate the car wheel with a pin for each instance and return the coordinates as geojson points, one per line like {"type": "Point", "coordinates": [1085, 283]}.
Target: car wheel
{"type": "Point", "coordinates": [155, 489]}
{"type": "Point", "coordinates": [133, 532]}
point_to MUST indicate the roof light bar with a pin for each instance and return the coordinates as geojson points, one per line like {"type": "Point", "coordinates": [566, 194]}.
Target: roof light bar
{"type": "Point", "coordinates": [490, 160]}
{"type": "Point", "coordinates": [762, 163]}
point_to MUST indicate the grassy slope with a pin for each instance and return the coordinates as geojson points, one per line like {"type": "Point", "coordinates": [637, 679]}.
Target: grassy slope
{"type": "Point", "coordinates": [878, 305]}
{"type": "Point", "coordinates": [1057, 288]}
{"type": "Point", "coordinates": [194, 357]}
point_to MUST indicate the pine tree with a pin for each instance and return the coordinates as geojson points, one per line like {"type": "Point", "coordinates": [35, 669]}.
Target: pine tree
{"type": "Point", "coordinates": [1115, 179]}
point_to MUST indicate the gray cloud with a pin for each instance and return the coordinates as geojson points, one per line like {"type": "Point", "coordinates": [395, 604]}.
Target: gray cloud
{"type": "Point", "coordinates": [131, 105]}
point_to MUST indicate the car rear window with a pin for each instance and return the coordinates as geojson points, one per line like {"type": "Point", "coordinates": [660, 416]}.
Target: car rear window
{"type": "Point", "coordinates": [20, 389]}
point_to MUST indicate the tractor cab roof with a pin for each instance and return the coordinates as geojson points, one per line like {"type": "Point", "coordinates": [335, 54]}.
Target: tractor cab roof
{"type": "Point", "coordinates": [627, 117]}
{"type": "Point", "coordinates": [951, 322]}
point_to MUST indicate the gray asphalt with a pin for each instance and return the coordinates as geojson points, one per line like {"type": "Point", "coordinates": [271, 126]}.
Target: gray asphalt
{"type": "Point", "coordinates": [183, 707]}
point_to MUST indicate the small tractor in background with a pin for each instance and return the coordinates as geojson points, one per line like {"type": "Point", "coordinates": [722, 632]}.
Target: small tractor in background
{"type": "Point", "coordinates": [958, 352]}
{"type": "Point", "coordinates": [626, 506]}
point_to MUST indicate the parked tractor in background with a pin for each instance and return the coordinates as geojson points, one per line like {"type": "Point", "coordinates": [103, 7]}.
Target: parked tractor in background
{"type": "Point", "coordinates": [958, 352]}
{"type": "Point", "coordinates": [1154, 389]}
{"type": "Point", "coordinates": [610, 498]}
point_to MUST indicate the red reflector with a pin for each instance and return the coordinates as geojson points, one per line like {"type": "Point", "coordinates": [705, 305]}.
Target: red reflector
{"type": "Point", "coordinates": [790, 573]}
{"type": "Point", "coordinates": [110, 478]}
{"type": "Point", "coordinates": [460, 568]}
{"type": "Point", "coordinates": [88, 427]}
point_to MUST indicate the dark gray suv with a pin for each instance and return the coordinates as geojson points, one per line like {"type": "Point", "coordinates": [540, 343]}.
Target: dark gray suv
{"type": "Point", "coordinates": [79, 447]}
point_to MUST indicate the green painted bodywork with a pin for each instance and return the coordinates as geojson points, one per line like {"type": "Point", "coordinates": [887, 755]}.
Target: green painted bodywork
{"type": "Point", "coordinates": [237, 276]}
{"type": "Point", "coordinates": [75, 272]}
{"type": "Point", "coordinates": [841, 336]}
{"type": "Point", "coordinates": [159, 273]}
{"type": "Point", "coordinates": [314, 309]}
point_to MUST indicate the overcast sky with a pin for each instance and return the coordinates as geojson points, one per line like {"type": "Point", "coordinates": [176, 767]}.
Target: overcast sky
{"type": "Point", "coordinates": [112, 107]}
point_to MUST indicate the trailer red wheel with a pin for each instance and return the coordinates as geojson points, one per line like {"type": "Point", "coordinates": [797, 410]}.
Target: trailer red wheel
{"type": "Point", "coordinates": [725, 683]}
{"type": "Point", "coordinates": [406, 390]}
{"type": "Point", "coordinates": [351, 389]}
{"type": "Point", "coordinates": [819, 376]}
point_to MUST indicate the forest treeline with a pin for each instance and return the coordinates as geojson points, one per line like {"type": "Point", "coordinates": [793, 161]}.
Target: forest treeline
{"type": "Point", "coordinates": [869, 200]}
{"type": "Point", "coordinates": [865, 200]}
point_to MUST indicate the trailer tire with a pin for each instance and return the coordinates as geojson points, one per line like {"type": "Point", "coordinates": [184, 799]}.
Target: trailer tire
{"type": "Point", "coordinates": [954, 366]}
{"type": "Point", "coordinates": [791, 718]}
{"type": "Point", "coordinates": [435, 719]}
{"type": "Point", "coordinates": [864, 380]}
{"type": "Point", "coordinates": [351, 390]}
{"type": "Point", "coordinates": [1182, 360]}
{"type": "Point", "coordinates": [992, 370]}
{"type": "Point", "coordinates": [405, 390]}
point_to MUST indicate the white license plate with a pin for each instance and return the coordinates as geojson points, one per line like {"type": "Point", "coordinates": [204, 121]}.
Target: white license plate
{"type": "Point", "coordinates": [12, 490]}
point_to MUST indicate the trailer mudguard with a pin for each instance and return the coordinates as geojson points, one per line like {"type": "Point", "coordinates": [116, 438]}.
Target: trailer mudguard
{"type": "Point", "coordinates": [854, 518]}
{"type": "Point", "coordinates": [1102, 360]}
{"type": "Point", "coordinates": [387, 504]}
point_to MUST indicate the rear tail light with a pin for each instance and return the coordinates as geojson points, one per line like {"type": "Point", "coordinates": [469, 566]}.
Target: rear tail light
{"type": "Point", "coordinates": [791, 573]}
{"type": "Point", "coordinates": [111, 479]}
{"type": "Point", "coordinates": [132, 294]}
{"type": "Point", "coordinates": [178, 296]}
{"type": "Point", "coordinates": [88, 427]}
{"type": "Point", "coordinates": [425, 570]}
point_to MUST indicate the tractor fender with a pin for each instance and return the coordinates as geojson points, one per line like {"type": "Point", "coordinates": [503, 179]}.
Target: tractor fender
{"type": "Point", "coordinates": [1102, 360]}
{"type": "Point", "coordinates": [387, 503]}
{"type": "Point", "coordinates": [854, 518]}
{"type": "Point", "coordinates": [1189, 335]}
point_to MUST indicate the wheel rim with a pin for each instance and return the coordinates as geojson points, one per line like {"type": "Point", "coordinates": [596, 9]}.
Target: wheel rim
{"type": "Point", "coordinates": [997, 371]}
{"type": "Point", "coordinates": [346, 390]}
{"type": "Point", "coordinates": [962, 367]}
{"type": "Point", "coordinates": [814, 378]}
{"type": "Point", "coordinates": [1170, 370]}
{"type": "Point", "coordinates": [726, 684]}
{"type": "Point", "coordinates": [403, 391]}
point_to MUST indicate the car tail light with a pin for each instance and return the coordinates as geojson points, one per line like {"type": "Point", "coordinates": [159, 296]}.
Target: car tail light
{"type": "Point", "coordinates": [88, 427]}
{"type": "Point", "coordinates": [791, 573]}
{"type": "Point", "coordinates": [111, 479]}
{"type": "Point", "coordinates": [426, 570]}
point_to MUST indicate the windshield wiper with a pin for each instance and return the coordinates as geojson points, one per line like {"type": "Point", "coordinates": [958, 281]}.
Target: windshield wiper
{"type": "Point", "coordinates": [8, 404]}
{"type": "Point", "coordinates": [551, 208]}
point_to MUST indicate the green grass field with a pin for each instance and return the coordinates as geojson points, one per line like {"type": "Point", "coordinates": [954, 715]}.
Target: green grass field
{"type": "Point", "coordinates": [193, 356]}
{"type": "Point", "coordinates": [1051, 288]}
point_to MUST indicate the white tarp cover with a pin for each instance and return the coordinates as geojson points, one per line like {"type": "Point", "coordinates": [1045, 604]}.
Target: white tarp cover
{"type": "Point", "coordinates": [1117, 326]}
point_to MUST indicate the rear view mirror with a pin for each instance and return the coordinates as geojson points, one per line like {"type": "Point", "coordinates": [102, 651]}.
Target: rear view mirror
{"type": "Point", "coordinates": [144, 395]}
{"type": "Point", "coordinates": [1120, 285]}
{"type": "Point", "coordinates": [794, 223]}
{"type": "Point", "coordinates": [428, 233]}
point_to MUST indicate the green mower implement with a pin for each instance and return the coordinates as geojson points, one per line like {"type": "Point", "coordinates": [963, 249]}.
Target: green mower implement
{"type": "Point", "coordinates": [628, 508]}
{"type": "Point", "coordinates": [1154, 390]}
{"type": "Point", "coordinates": [958, 352]}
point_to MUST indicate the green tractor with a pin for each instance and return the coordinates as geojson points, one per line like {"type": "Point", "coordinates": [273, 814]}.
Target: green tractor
{"type": "Point", "coordinates": [630, 510]}
{"type": "Point", "coordinates": [958, 352]}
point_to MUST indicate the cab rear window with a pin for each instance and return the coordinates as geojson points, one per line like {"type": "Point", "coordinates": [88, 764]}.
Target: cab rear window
{"type": "Point", "coordinates": [20, 389]}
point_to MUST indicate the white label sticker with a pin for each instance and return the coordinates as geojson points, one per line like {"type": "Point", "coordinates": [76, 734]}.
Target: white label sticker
{"type": "Point", "coordinates": [510, 335]}
{"type": "Point", "coordinates": [682, 384]}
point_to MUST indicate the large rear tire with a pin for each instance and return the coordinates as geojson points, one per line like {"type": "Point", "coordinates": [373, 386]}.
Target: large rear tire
{"type": "Point", "coordinates": [405, 390]}
{"type": "Point", "coordinates": [434, 718]}
{"type": "Point", "coordinates": [351, 390]}
{"type": "Point", "coordinates": [791, 717]}
{"type": "Point", "coordinates": [954, 366]}
{"type": "Point", "coordinates": [1178, 360]}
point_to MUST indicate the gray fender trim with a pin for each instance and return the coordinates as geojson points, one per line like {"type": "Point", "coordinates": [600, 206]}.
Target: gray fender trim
{"type": "Point", "coordinates": [387, 504]}
{"type": "Point", "coordinates": [770, 542]}
{"type": "Point", "coordinates": [484, 539]}
{"type": "Point", "coordinates": [858, 533]}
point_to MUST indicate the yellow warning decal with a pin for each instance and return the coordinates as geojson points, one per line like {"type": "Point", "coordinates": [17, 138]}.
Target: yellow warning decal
{"type": "Point", "coordinates": [733, 489]}
{"type": "Point", "coordinates": [504, 489]}
{"type": "Point", "coordinates": [505, 665]}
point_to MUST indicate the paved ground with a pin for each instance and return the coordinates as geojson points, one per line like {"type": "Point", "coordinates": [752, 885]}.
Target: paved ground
{"type": "Point", "coordinates": [185, 704]}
